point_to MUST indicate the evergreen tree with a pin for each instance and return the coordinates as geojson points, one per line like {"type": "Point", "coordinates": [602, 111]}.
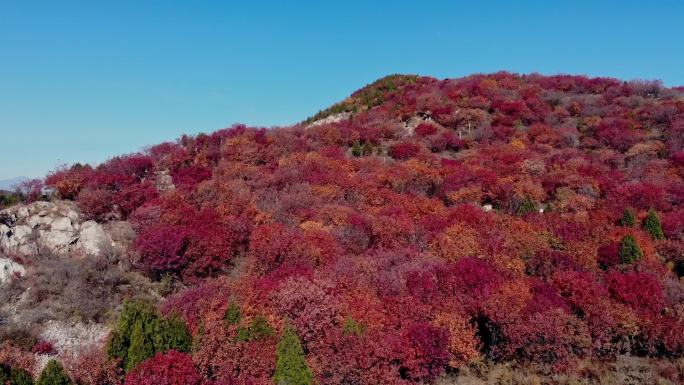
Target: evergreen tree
{"type": "Point", "coordinates": [367, 149]}
{"type": "Point", "coordinates": [199, 336]}
{"type": "Point", "coordinates": [141, 347]}
{"type": "Point", "coordinates": [629, 250]}
{"type": "Point", "coordinates": [653, 226]}
{"type": "Point", "coordinates": [291, 367]}
{"type": "Point", "coordinates": [20, 376]}
{"type": "Point", "coordinates": [132, 312]}
{"type": "Point", "coordinates": [4, 375]}
{"type": "Point", "coordinates": [233, 314]}
{"type": "Point", "coordinates": [356, 149]}
{"type": "Point", "coordinates": [350, 327]}
{"type": "Point", "coordinates": [53, 374]}
{"type": "Point", "coordinates": [172, 334]}
{"type": "Point", "coordinates": [628, 219]}
{"type": "Point", "coordinates": [527, 206]}
{"type": "Point", "coordinates": [257, 329]}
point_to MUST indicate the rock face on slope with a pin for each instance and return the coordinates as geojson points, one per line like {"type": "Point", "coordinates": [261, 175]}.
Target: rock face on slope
{"type": "Point", "coordinates": [62, 277]}
{"type": "Point", "coordinates": [9, 269]}
{"type": "Point", "coordinates": [56, 227]}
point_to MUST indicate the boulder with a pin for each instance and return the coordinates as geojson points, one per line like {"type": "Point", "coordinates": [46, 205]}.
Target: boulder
{"type": "Point", "coordinates": [9, 269]}
{"type": "Point", "coordinates": [56, 240]}
{"type": "Point", "coordinates": [92, 238]}
{"type": "Point", "coordinates": [55, 226]}
{"type": "Point", "coordinates": [61, 224]}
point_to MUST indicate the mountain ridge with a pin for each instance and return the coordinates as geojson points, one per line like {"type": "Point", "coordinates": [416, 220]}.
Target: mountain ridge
{"type": "Point", "coordinates": [412, 233]}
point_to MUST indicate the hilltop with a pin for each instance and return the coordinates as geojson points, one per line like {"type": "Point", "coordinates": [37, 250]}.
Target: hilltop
{"type": "Point", "coordinates": [419, 231]}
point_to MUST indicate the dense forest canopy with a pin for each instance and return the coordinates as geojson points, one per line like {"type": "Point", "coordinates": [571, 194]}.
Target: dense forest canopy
{"type": "Point", "coordinates": [417, 227]}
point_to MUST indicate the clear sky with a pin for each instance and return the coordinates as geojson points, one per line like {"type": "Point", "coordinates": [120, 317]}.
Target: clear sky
{"type": "Point", "coordinates": [86, 80]}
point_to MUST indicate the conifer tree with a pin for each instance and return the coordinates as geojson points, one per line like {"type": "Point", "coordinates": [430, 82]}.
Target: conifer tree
{"type": "Point", "coordinates": [257, 329]}
{"type": "Point", "coordinates": [527, 206]}
{"type": "Point", "coordinates": [367, 149]}
{"type": "Point", "coordinates": [356, 149]}
{"type": "Point", "coordinates": [172, 334]}
{"type": "Point", "coordinates": [653, 226]}
{"type": "Point", "coordinates": [53, 374]}
{"type": "Point", "coordinates": [141, 347]}
{"type": "Point", "coordinates": [291, 367]}
{"type": "Point", "coordinates": [132, 312]}
{"type": "Point", "coordinates": [629, 250]}
{"type": "Point", "coordinates": [628, 219]}
{"type": "Point", "coordinates": [4, 375]}
{"type": "Point", "coordinates": [233, 314]}
{"type": "Point", "coordinates": [20, 376]}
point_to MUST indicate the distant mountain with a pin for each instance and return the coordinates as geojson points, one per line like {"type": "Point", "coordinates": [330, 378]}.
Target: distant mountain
{"type": "Point", "coordinates": [9, 184]}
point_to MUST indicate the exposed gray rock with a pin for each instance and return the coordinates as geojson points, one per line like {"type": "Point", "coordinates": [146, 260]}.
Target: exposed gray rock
{"type": "Point", "coordinates": [57, 240]}
{"type": "Point", "coordinates": [53, 226]}
{"type": "Point", "coordinates": [164, 181]}
{"type": "Point", "coordinates": [9, 269]}
{"type": "Point", "coordinates": [62, 224]}
{"type": "Point", "coordinates": [92, 238]}
{"type": "Point", "coordinates": [334, 118]}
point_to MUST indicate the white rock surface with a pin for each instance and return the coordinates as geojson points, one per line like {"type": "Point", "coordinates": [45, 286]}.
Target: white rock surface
{"type": "Point", "coordinates": [55, 226]}
{"type": "Point", "coordinates": [92, 238]}
{"type": "Point", "coordinates": [334, 118]}
{"type": "Point", "coordinates": [74, 336]}
{"type": "Point", "coordinates": [9, 269]}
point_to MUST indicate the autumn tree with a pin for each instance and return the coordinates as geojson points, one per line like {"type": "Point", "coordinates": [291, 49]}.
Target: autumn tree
{"type": "Point", "coordinates": [170, 368]}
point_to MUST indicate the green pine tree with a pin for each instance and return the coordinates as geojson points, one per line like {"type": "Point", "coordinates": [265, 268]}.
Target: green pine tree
{"type": "Point", "coordinates": [628, 219]}
{"type": "Point", "coordinates": [53, 374]}
{"type": "Point", "coordinates": [629, 250]}
{"type": "Point", "coordinates": [291, 367]}
{"type": "Point", "coordinates": [356, 149]}
{"type": "Point", "coordinates": [172, 334]}
{"type": "Point", "coordinates": [233, 314]}
{"type": "Point", "coordinates": [367, 149]}
{"type": "Point", "coordinates": [257, 329]}
{"type": "Point", "coordinates": [4, 375]}
{"type": "Point", "coordinates": [527, 206]}
{"type": "Point", "coordinates": [350, 327]}
{"type": "Point", "coordinates": [132, 312]}
{"type": "Point", "coordinates": [653, 226]}
{"type": "Point", "coordinates": [140, 348]}
{"type": "Point", "coordinates": [20, 376]}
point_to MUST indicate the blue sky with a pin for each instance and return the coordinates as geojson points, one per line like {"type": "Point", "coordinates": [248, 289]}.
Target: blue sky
{"type": "Point", "coordinates": [86, 80]}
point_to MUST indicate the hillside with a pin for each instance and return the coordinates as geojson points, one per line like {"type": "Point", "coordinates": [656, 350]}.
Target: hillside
{"type": "Point", "coordinates": [419, 231]}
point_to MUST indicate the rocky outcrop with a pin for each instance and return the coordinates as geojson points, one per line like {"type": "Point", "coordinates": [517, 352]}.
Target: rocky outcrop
{"type": "Point", "coordinates": [55, 227]}
{"type": "Point", "coordinates": [10, 269]}
{"type": "Point", "coordinates": [334, 118]}
{"type": "Point", "coordinates": [163, 181]}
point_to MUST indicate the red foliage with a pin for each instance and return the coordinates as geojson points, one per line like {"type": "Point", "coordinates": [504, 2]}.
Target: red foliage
{"type": "Point", "coordinates": [43, 347]}
{"type": "Point", "coordinates": [392, 270]}
{"type": "Point", "coordinates": [404, 150]}
{"type": "Point", "coordinates": [426, 129]}
{"type": "Point", "coordinates": [641, 291]}
{"type": "Point", "coordinates": [162, 249]}
{"type": "Point", "coordinates": [170, 368]}
{"type": "Point", "coordinates": [424, 353]}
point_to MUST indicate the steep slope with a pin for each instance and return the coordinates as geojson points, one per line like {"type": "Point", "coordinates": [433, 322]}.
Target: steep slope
{"type": "Point", "coordinates": [419, 226]}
